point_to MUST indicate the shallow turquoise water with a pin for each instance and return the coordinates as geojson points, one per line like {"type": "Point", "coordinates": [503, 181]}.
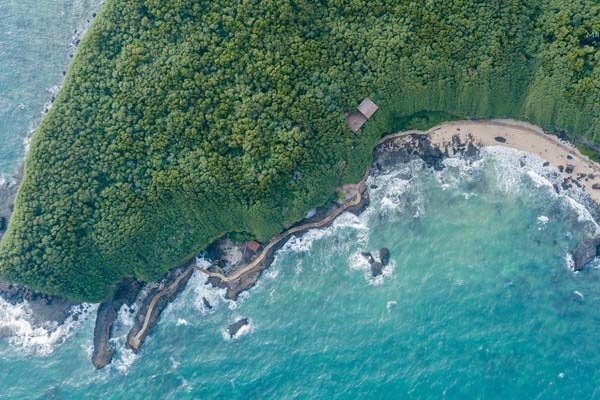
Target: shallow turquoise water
{"type": "Point", "coordinates": [478, 302]}
{"type": "Point", "coordinates": [35, 42]}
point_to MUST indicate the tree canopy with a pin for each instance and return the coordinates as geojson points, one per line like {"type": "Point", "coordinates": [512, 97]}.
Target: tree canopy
{"type": "Point", "coordinates": [180, 121]}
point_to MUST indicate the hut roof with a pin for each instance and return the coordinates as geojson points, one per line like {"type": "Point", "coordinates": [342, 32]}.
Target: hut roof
{"type": "Point", "coordinates": [253, 245]}
{"type": "Point", "coordinates": [356, 120]}
{"type": "Point", "coordinates": [367, 107]}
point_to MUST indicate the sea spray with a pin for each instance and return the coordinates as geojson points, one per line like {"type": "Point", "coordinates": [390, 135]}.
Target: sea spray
{"type": "Point", "coordinates": [23, 332]}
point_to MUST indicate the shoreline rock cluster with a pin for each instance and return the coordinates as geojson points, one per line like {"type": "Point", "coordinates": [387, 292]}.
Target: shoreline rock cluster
{"type": "Point", "coordinates": [227, 257]}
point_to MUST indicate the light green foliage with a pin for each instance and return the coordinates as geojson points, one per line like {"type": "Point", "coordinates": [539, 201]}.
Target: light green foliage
{"type": "Point", "coordinates": [180, 121]}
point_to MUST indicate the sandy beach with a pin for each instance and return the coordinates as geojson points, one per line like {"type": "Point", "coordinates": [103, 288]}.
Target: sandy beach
{"type": "Point", "coordinates": [524, 137]}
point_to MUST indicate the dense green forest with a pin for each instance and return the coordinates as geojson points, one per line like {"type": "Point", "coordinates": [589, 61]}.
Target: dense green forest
{"type": "Point", "coordinates": [181, 120]}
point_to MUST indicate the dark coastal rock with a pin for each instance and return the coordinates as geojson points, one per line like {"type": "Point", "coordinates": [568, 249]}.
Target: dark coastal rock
{"type": "Point", "coordinates": [376, 268]}
{"type": "Point", "coordinates": [472, 152]}
{"type": "Point", "coordinates": [561, 168]}
{"type": "Point", "coordinates": [44, 308]}
{"type": "Point", "coordinates": [384, 256]}
{"type": "Point", "coordinates": [569, 168]}
{"type": "Point", "coordinates": [569, 157]}
{"type": "Point", "coordinates": [157, 300]}
{"type": "Point", "coordinates": [500, 139]}
{"type": "Point", "coordinates": [546, 163]}
{"type": "Point", "coordinates": [234, 328]}
{"type": "Point", "coordinates": [585, 252]}
{"type": "Point", "coordinates": [596, 186]}
{"type": "Point", "coordinates": [368, 256]}
{"type": "Point", "coordinates": [3, 222]}
{"type": "Point", "coordinates": [206, 303]}
{"type": "Point", "coordinates": [556, 188]}
{"type": "Point", "coordinates": [106, 317]}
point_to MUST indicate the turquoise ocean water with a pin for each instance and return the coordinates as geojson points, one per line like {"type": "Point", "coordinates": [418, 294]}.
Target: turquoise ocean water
{"type": "Point", "coordinates": [35, 43]}
{"type": "Point", "coordinates": [478, 302]}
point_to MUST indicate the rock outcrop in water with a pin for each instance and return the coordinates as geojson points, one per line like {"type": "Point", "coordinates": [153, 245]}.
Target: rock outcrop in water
{"type": "Point", "coordinates": [106, 317]}
{"type": "Point", "coordinates": [384, 256]}
{"type": "Point", "coordinates": [234, 328]}
{"type": "Point", "coordinates": [585, 252]}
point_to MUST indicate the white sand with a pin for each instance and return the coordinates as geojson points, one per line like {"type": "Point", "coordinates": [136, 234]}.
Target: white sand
{"type": "Point", "coordinates": [524, 137]}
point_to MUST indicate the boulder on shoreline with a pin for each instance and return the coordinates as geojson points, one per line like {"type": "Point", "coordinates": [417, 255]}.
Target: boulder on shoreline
{"type": "Point", "coordinates": [106, 316]}
{"type": "Point", "coordinates": [44, 307]}
{"type": "Point", "coordinates": [585, 252]}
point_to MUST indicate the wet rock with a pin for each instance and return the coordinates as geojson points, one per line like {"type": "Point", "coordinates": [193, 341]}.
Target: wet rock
{"type": "Point", "coordinates": [585, 252]}
{"type": "Point", "coordinates": [472, 152]}
{"type": "Point", "coordinates": [368, 256]}
{"type": "Point", "coordinates": [596, 186]}
{"type": "Point", "coordinates": [234, 328]}
{"type": "Point", "coordinates": [546, 163]}
{"type": "Point", "coordinates": [106, 317]}
{"type": "Point", "coordinates": [556, 189]}
{"type": "Point", "coordinates": [569, 169]}
{"type": "Point", "coordinates": [500, 139]}
{"type": "Point", "coordinates": [561, 168]}
{"type": "Point", "coordinates": [376, 268]}
{"type": "Point", "coordinates": [206, 304]}
{"type": "Point", "coordinates": [2, 224]}
{"type": "Point", "coordinates": [569, 157]}
{"type": "Point", "coordinates": [384, 256]}
{"type": "Point", "coordinates": [44, 308]}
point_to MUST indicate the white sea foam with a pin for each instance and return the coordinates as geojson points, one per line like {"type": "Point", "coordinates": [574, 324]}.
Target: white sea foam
{"type": "Point", "coordinates": [18, 326]}
{"type": "Point", "coordinates": [389, 304]}
{"type": "Point", "coordinates": [346, 220]}
{"type": "Point", "coordinates": [569, 262]}
{"type": "Point", "coordinates": [543, 220]}
{"type": "Point", "coordinates": [358, 262]}
{"type": "Point", "coordinates": [182, 322]}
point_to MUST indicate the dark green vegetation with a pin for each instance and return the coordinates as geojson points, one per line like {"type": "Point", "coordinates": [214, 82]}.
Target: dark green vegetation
{"type": "Point", "coordinates": [180, 120]}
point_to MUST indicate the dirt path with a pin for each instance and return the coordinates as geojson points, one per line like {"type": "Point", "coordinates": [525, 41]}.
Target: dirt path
{"type": "Point", "coordinates": [519, 135]}
{"type": "Point", "coordinates": [355, 200]}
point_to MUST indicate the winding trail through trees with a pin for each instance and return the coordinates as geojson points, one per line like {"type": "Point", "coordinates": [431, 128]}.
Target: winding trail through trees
{"type": "Point", "coordinates": [136, 341]}
{"type": "Point", "coordinates": [525, 131]}
{"type": "Point", "coordinates": [238, 273]}
{"type": "Point", "coordinates": [523, 128]}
